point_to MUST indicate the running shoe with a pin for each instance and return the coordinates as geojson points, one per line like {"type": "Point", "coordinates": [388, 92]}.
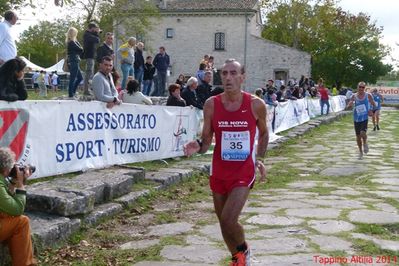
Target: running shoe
{"type": "Point", "coordinates": [378, 127]}
{"type": "Point", "coordinates": [366, 148]}
{"type": "Point", "coordinates": [375, 127]}
{"type": "Point", "coordinates": [241, 259]}
{"type": "Point", "coordinates": [360, 155]}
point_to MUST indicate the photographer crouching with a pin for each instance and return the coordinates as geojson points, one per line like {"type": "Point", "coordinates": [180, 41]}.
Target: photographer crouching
{"type": "Point", "coordinates": [14, 227]}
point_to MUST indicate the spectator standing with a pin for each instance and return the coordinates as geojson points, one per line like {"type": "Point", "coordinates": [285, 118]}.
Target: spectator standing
{"type": "Point", "coordinates": [54, 81]}
{"type": "Point", "coordinates": [139, 63]}
{"type": "Point", "coordinates": [200, 73]}
{"type": "Point", "coordinates": [106, 48]}
{"type": "Point", "coordinates": [103, 85]}
{"type": "Point", "coordinates": [211, 62]}
{"type": "Point", "coordinates": [161, 63]}
{"type": "Point", "coordinates": [189, 94]}
{"type": "Point", "coordinates": [204, 90]}
{"type": "Point", "coordinates": [34, 80]}
{"type": "Point", "coordinates": [126, 56]}
{"type": "Point", "coordinates": [149, 71]}
{"type": "Point", "coordinates": [74, 51]}
{"type": "Point", "coordinates": [133, 94]}
{"type": "Point", "coordinates": [8, 49]}
{"type": "Point", "coordinates": [175, 98]}
{"type": "Point", "coordinates": [324, 98]}
{"type": "Point", "coordinates": [47, 80]}
{"type": "Point", "coordinates": [12, 85]}
{"type": "Point", "coordinates": [90, 40]}
{"type": "Point", "coordinates": [15, 229]}
{"type": "Point", "coordinates": [42, 85]}
{"type": "Point", "coordinates": [281, 94]}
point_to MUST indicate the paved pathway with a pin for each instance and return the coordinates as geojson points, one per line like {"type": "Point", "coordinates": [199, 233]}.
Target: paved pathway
{"type": "Point", "coordinates": [319, 214]}
{"type": "Point", "coordinates": [333, 209]}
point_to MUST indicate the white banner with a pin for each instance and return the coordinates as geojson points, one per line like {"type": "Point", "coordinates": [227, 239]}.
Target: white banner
{"type": "Point", "coordinates": [390, 94]}
{"type": "Point", "coordinates": [314, 108]}
{"type": "Point", "coordinates": [290, 114]}
{"type": "Point", "coordinates": [66, 136]}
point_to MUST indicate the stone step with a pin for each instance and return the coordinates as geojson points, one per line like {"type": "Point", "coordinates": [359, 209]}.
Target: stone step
{"type": "Point", "coordinates": [49, 230]}
{"type": "Point", "coordinates": [102, 211]}
{"type": "Point", "coordinates": [78, 195]}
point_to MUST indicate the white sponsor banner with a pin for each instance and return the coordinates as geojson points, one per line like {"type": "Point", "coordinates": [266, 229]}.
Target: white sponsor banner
{"type": "Point", "coordinates": [314, 108]}
{"type": "Point", "coordinates": [390, 94]}
{"type": "Point", "coordinates": [338, 103]}
{"type": "Point", "coordinates": [290, 114]}
{"type": "Point", "coordinates": [270, 123]}
{"type": "Point", "coordinates": [65, 136]}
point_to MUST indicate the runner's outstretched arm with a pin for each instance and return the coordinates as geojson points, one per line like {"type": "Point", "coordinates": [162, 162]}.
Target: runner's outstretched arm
{"type": "Point", "coordinates": [201, 146]}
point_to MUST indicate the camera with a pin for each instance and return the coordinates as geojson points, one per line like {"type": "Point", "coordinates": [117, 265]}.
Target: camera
{"type": "Point", "coordinates": [13, 172]}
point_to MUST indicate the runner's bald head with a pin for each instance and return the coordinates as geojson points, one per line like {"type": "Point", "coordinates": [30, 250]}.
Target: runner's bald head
{"type": "Point", "coordinates": [234, 61]}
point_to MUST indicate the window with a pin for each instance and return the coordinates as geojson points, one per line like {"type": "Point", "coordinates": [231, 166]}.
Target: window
{"type": "Point", "coordinates": [219, 41]}
{"type": "Point", "coordinates": [169, 33]}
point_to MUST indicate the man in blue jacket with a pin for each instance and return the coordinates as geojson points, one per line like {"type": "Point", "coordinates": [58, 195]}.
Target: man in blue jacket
{"type": "Point", "coordinates": [161, 63]}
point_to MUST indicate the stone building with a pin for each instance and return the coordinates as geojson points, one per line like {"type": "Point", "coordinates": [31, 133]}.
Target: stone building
{"type": "Point", "coordinates": [189, 29]}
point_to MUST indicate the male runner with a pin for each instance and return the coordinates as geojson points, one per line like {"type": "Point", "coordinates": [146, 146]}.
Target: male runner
{"type": "Point", "coordinates": [361, 111]}
{"type": "Point", "coordinates": [378, 99]}
{"type": "Point", "coordinates": [233, 117]}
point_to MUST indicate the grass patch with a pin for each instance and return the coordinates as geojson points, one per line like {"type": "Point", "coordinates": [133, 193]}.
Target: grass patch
{"type": "Point", "coordinates": [164, 218]}
{"type": "Point", "coordinates": [368, 248]}
{"type": "Point", "coordinates": [173, 240]}
{"type": "Point", "coordinates": [322, 191]}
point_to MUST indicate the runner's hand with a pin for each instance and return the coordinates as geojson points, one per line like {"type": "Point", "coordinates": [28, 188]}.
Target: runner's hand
{"type": "Point", "coordinates": [262, 171]}
{"type": "Point", "coordinates": [191, 148]}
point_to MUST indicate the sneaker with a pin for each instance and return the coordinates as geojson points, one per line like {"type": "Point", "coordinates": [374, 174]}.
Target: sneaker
{"type": "Point", "coordinates": [241, 259]}
{"type": "Point", "coordinates": [378, 127]}
{"type": "Point", "coordinates": [375, 127]}
{"type": "Point", "coordinates": [366, 148]}
{"type": "Point", "coordinates": [360, 155]}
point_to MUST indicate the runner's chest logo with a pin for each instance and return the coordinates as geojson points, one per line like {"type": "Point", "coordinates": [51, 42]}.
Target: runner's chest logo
{"type": "Point", "coordinates": [13, 130]}
{"type": "Point", "coordinates": [232, 124]}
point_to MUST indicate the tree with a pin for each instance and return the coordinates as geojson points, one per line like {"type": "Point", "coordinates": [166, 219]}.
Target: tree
{"type": "Point", "coordinates": [345, 48]}
{"type": "Point", "coordinates": [135, 16]}
{"type": "Point", "coordinates": [44, 41]}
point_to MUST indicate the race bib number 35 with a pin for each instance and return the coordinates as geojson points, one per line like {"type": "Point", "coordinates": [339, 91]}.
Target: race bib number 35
{"type": "Point", "coordinates": [235, 145]}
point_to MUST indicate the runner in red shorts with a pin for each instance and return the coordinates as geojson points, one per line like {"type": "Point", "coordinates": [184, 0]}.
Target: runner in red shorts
{"type": "Point", "coordinates": [233, 117]}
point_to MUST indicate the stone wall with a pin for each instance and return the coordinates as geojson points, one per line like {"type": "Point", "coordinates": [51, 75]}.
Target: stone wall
{"type": "Point", "coordinates": [193, 37]}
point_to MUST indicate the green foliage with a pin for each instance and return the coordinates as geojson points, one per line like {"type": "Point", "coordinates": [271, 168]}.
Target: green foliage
{"type": "Point", "coordinates": [44, 41]}
{"type": "Point", "coordinates": [134, 16]}
{"type": "Point", "coordinates": [345, 48]}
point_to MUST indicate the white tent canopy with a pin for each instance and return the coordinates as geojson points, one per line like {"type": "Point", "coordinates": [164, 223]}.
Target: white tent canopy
{"type": "Point", "coordinates": [31, 65]}
{"type": "Point", "coordinates": [57, 67]}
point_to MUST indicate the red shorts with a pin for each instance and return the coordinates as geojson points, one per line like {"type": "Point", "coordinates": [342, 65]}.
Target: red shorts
{"type": "Point", "coordinates": [226, 186]}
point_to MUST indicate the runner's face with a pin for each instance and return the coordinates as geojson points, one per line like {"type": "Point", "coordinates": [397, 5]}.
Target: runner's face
{"type": "Point", "coordinates": [232, 78]}
{"type": "Point", "coordinates": [361, 88]}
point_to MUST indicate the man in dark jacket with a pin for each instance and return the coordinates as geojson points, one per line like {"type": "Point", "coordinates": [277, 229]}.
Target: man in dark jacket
{"type": "Point", "coordinates": [90, 41]}
{"type": "Point", "coordinates": [204, 90]}
{"type": "Point", "coordinates": [106, 48]}
{"type": "Point", "coordinates": [139, 62]}
{"type": "Point", "coordinates": [161, 63]}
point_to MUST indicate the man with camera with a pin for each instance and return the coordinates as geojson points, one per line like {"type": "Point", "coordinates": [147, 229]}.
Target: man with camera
{"type": "Point", "coordinates": [14, 227]}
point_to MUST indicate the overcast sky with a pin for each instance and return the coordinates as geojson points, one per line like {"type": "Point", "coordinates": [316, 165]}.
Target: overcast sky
{"type": "Point", "coordinates": [384, 12]}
